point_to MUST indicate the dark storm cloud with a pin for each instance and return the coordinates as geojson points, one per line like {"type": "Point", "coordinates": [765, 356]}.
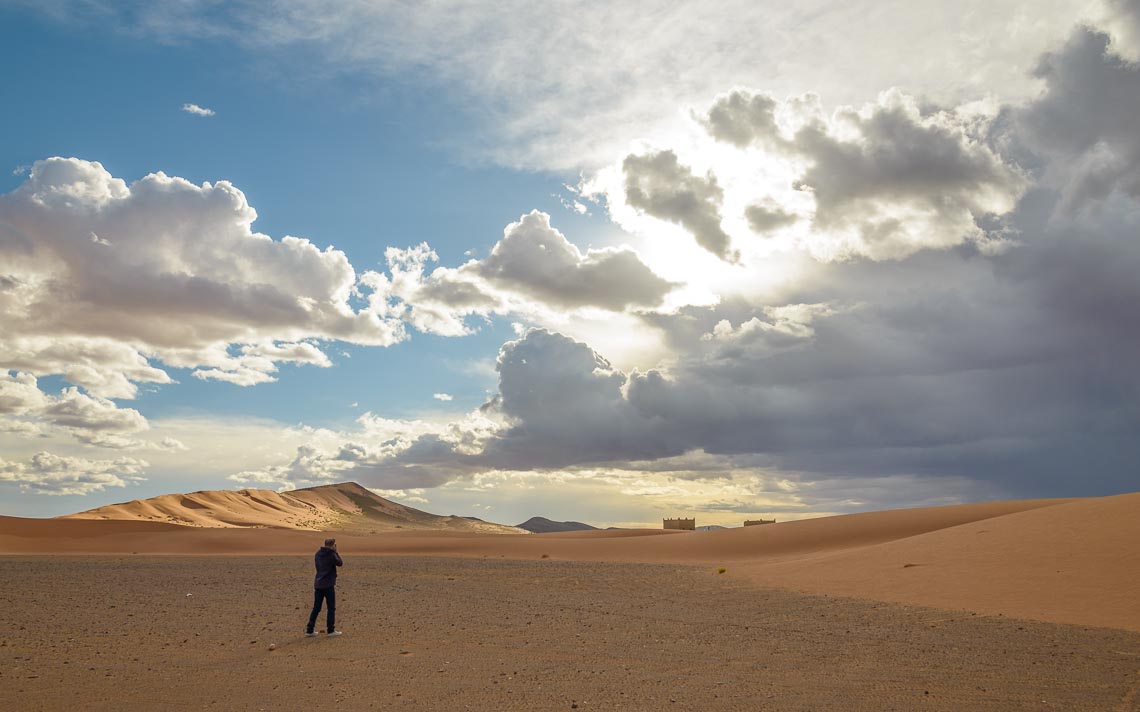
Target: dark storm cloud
{"type": "Point", "coordinates": [1086, 122]}
{"type": "Point", "coordinates": [564, 403]}
{"type": "Point", "coordinates": [985, 378]}
{"type": "Point", "coordinates": [1008, 374]}
{"type": "Point", "coordinates": [1013, 372]}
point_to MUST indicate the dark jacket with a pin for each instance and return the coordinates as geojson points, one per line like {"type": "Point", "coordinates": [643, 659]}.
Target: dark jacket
{"type": "Point", "coordinates": [326, 560]}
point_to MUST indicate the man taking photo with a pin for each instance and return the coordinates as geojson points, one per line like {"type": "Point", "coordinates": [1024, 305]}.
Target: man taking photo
{"type": "Point", "coordinates": [324, 587]}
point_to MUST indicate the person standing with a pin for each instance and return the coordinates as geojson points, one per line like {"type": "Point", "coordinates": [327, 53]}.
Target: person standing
{"type": "Point", "coordinates": [324, 587]}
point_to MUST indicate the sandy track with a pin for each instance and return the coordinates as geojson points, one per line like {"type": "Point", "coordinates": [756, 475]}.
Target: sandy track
{"type": "Point", "coordinates": [451, 634]}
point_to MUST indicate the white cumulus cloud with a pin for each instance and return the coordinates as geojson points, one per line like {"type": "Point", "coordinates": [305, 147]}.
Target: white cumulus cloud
{"type": "Point", "coordinates": [91, 420]}
{"type": "Point", "coordinates": [177, 276]}
{"type": "Point", "coordinates": [45, 473]}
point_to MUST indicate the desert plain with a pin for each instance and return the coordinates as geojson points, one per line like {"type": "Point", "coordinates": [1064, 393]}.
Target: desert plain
{"type": "Point", "coordinates": [995, 606]}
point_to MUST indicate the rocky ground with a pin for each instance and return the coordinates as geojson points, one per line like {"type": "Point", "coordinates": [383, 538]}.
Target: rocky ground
{"type": "Point", "coordinates": [225, 633]}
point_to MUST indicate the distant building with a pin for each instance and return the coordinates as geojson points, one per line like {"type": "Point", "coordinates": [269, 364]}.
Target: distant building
{"type": "Point", "coordinates": [754, 522]}
{"type": "Point", "coordinates": [685, 524]}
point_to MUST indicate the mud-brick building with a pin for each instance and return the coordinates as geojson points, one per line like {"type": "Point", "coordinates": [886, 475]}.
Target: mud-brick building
{"type": "Point", "coordinates": [685, 524]}
{"type": "Point", "coordinates": [755, 522]}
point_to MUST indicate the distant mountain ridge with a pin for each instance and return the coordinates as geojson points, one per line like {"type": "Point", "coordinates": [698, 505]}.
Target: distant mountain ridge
{"type": "Point", "coordinates": [347, 507]}
{"type": "Point", "coordinates": [542, 525]}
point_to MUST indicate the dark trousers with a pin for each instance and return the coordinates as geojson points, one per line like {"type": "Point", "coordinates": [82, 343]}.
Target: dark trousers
{"type": "Point", "coordinates": [319, 595]}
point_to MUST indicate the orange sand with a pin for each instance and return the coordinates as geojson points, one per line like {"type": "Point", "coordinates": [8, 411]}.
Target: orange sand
{"type": "Point", "coordinates": [1065, 561]}
{"type": "Point", "coordinates": [342, 507]}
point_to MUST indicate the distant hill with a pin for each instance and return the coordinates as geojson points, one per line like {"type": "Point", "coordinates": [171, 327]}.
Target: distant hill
{"type": "Point", "coordinates": [346, 507]}
{"type": "Point", "coordinates": [542, 525]}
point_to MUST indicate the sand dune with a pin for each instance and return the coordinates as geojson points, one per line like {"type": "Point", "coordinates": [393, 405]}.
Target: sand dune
{"type": "Point", "coordinates": [55, 532]}
{"type": "Point", "coordinates": [825, 535]}
{"type": "Point", "coordinates": [1075, 562]}
{"type": "Point", "coordinates": [342, 507]}
{"type": "Point", "coordinates": [1069, 561]}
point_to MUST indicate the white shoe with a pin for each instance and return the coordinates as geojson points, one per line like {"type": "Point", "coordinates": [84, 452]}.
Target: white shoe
{"type": "Point", "coordinates": [310, 635]}
{"type": "Point", "coordinates": [334, 634]}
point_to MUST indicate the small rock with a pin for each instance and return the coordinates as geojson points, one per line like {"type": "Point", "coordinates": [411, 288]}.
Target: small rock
{"type": "Point", "coordinates": [273, 646]}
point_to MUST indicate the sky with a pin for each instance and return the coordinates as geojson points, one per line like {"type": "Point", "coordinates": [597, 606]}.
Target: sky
{"type": "Point", "coordinates": [589, 261]}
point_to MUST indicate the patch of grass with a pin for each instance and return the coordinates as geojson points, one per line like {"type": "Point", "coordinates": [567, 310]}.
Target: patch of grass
{"type": "Point", "coordinates": [721, 570]}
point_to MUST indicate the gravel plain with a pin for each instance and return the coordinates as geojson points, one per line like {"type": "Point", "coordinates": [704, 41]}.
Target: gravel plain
{"type": "Point", "coordinates": [225, 633]}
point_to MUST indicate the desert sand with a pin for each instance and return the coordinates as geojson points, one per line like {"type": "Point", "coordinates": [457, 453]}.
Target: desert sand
{"type": "Point", "coordinates": [345, 507]}
{"type": "Point", "coordinates": [1061, 561]}
{"type": "Point", "coordinates": [1008, 605]}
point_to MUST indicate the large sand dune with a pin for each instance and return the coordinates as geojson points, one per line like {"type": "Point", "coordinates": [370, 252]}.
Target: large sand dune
{"type": "Point", "coordinates": [1073, 562]}
{"type": "Point", "coordinates": [1068, 561]}
{"type": "Point", "coordinates": [342, 507]}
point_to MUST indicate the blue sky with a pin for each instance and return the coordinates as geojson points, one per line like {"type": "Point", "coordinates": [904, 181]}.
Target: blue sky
{"type": "Point", "coordinates": [764, 261]}
{"type": "Point", "coordinates": [359, 163]}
